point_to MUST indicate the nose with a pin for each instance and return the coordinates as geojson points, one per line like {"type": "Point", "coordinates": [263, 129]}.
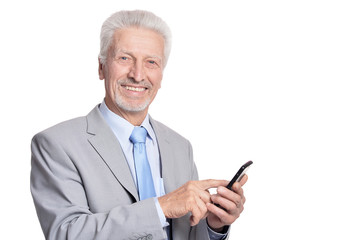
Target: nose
{"type": "Point", "coordinates": [137, 72]}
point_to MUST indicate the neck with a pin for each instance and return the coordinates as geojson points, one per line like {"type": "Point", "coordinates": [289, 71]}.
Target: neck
{"type": "Point", "coordinates": [136, 118]}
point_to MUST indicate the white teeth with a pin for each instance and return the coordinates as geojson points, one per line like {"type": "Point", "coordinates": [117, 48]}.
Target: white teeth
{"type": "Point", "coordinates": [134, 89]}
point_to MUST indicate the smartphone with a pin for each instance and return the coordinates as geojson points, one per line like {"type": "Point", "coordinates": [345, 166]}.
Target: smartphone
{"type": "Point", "coordinates": [239, 175]}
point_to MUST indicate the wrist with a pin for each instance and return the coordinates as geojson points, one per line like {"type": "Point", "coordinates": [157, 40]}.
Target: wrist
{"type": "Point", "coordinates": [221, 229]}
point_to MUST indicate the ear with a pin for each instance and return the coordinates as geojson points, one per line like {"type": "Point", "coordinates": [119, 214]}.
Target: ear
{"type": "Point", "coordinates": [100, 70]}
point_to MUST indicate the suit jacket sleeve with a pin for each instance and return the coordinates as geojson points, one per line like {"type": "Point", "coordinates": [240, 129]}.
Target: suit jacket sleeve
{"type": "Point", "coordinates": [62, 205]}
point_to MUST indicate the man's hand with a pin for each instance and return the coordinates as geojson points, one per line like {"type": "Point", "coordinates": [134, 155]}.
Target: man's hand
{"type": "Point", "coordinates": [231, 201]}
{"type": "Point", "coordinates": [191, 197]}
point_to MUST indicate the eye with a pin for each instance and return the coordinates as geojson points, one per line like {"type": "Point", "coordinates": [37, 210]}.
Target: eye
{"type": "Point", "coordinates": [124, 59]}
{"type": "Point", "coordinates": [152, 63]}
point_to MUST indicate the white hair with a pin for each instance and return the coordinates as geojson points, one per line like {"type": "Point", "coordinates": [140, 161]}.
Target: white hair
{"type": "Point", "coordinates": [136, 18]}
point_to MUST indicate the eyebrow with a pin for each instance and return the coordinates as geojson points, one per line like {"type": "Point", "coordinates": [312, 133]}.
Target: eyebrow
{"type": "Point", "coordinates": [131, 54]}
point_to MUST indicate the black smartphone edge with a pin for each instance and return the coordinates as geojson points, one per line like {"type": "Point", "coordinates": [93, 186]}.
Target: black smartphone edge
{"type": "Point", "coordinates": [240, 171]}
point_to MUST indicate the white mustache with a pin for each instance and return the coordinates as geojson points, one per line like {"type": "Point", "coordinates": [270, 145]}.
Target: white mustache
{"type": "Point", "coordinates": [132, 82]}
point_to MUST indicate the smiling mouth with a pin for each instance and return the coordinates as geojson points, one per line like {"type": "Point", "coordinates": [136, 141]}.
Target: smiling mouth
{"type": "Point", "coordinates": [135, 89]}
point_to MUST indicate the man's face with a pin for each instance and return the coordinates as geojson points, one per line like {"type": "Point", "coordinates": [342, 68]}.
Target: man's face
{"type": "Point", "coordinates": [133, 70]}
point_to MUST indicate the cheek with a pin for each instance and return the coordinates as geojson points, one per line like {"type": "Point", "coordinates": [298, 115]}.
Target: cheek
{"type": "Point", "coordinates": [112, 77]}
{"type": "Point", "coordinates": [111, 86]}
{"type": "Point", "coordinates": [157, 80]}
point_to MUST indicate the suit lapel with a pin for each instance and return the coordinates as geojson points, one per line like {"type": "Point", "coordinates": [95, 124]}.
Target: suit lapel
{"type": "Point", "coordinates": [166, 156]}
{"type": "Point", "coordinates": [107, 146]}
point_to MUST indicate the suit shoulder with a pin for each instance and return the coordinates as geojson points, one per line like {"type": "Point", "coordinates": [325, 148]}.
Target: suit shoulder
{"type": "Point", "coordinates": [63, 129]}
{"type": "Point", "coordinates": [160, 127]}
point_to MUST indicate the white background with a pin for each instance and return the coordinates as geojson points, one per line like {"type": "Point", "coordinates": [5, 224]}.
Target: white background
{"type": "Point", "coordinates": [277, 82]}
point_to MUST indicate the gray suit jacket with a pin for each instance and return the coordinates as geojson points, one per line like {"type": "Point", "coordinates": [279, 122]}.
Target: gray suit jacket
{"type": "Point", "coordinates": [83, 189]}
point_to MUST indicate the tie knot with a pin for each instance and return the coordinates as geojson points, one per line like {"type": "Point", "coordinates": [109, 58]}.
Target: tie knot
{"type": "Point", "coordinates": [138, 135]}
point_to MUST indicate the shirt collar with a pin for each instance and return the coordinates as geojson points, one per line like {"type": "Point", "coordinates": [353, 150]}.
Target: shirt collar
{"type": "Point", "coordinates": [148, 127]}
{"type": "Point", "coordinates": [121, 127]}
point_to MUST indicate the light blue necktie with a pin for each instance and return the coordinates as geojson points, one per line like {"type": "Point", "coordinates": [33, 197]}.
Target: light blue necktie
{"type": "Point", "coordinates": [142, 167]}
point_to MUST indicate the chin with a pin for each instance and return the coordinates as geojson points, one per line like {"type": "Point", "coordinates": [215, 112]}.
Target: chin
{"type": "Point", "coordinates": [129, 107]}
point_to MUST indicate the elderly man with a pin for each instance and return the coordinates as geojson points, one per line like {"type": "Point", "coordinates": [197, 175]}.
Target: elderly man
{"type": "Point", "coordinates": [117, 173]}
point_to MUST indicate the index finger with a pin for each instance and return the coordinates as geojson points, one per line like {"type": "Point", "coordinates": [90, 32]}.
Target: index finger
{"type": "Point", "coordinates": [211, 183]}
